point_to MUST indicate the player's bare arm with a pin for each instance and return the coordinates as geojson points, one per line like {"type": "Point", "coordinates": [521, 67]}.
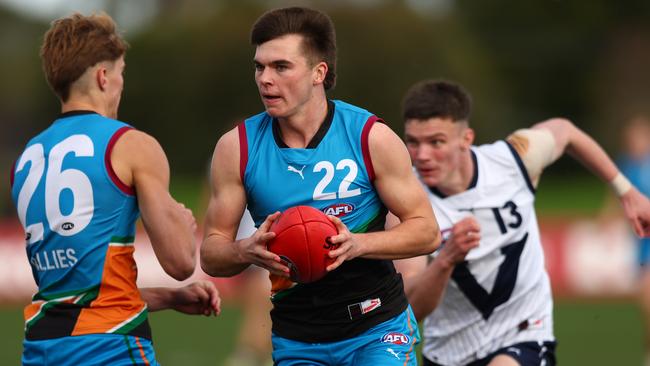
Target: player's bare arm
{"type": "Point", "coordinates": [139, 161]}
{"type": "Point", "coordinates": [403, 195]}
{"type": "Point", "coordinates": [424, 284]}
{"type": "Point", "coordinates": [562, 136]}
{"type": "Point", "coordinates": [198, 298]}
{"type": "Point", "coordinates": [221, 254]}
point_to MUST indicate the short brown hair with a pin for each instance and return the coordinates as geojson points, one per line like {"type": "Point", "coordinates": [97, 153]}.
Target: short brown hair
{"type": "Point", "coordinates": [315, 27]}
{"type": "Point", "coordinates": [75, 43]}
{"type": "Point", "coordinates": [437, 99]}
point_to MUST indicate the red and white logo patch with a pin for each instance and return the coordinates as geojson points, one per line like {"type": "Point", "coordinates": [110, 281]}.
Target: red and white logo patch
{"type": "Point", "coordinates": [395, 338]}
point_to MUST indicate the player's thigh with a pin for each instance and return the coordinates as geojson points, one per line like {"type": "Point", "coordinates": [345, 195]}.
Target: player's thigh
{"type": "Point", "coordinates": [390, 343]}
{"type": "Point", "coordinates": [525, 354]}
{"type": "Point", "coordinates": [287, 352]}
{"type": "Point", "coordinates": [92, 349]}
{"type": "Point", "coordinates": [503, 360]}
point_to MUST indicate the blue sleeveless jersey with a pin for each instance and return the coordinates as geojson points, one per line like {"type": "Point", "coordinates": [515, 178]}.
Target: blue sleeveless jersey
{"type": "Point", "coordinates": [79, 221]}
{"type": "Point", "coordinates": [333, 174]}
{"type": "Point", "coordinates": [332, 177]}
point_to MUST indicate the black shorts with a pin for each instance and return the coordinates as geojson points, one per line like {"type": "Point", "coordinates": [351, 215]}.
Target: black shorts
{"type": "Point", "coordinates": [526, 353]}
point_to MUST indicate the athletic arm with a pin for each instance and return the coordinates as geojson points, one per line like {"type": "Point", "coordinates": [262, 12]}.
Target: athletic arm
{"type": "Point", "coordinates": [139, 161]}
{"type": "Point", "coordinates": [200, 297]}
{"type": "Point", "coordinates": [425, 283]}
{"type": "Point", "coordinates": [221, 253]}
{"type": "Point", "coordinates": [565, 137]}
{"type": "Point", "coordinates": [398, 188]}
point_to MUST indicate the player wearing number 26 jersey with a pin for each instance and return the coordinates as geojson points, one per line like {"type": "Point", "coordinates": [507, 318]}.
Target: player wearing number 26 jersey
{"type": "Point", "coordinates": [79, 186]}
{"type": "Point", "coordinates": [81, 256]}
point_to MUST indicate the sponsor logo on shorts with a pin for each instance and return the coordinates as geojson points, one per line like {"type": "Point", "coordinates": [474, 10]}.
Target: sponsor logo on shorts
{"type": "Point", "coordinates": [396, 338]}
{"type": "Point", "coordinates": [339, 209]}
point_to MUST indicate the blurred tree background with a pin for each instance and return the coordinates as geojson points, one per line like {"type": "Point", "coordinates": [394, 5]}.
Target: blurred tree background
{"type": "Point", "coordinates": [189, 72]}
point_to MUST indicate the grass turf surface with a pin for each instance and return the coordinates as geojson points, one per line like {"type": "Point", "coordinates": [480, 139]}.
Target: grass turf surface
{"type": "Point", "coordinates": [589, 333]}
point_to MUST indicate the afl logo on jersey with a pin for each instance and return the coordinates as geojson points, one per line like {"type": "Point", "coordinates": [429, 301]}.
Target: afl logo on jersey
{"type": "Point", "coordinates": [67, 226]}
{"type": "Point", "coordinates": [339, 209]}
{"type": "Point", "coordinates": [396, 338]}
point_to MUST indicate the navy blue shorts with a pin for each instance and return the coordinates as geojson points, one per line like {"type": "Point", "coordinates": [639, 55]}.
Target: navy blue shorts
{"type": "Point", "coordinates": [526, 353]}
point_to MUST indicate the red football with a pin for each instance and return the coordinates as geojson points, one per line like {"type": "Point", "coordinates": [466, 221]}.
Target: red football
{"type": "Point", "coordinates": [300, 241]}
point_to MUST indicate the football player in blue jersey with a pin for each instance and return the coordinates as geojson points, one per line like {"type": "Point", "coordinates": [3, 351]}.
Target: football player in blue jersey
{"type": "Point", "coordinates": [79, 187]}
{"type": "Point", "coordinates": [306, 149]}
{"type": "Point", "coordinates": [634, 162]}
{"type": "Point", "coordinates": [485, 298]}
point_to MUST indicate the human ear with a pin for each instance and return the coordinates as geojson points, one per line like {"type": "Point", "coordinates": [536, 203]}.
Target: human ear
{"type": "Point", "coordinates": [468, 138]}
{"type": "Point", "coordinates": [320, 72]}
{"type": "Point", "coordinates": [100, 77]}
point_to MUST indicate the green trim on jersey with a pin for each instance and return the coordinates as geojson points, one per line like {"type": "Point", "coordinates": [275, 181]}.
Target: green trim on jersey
{"type": "Point", "coordinates": [94, 290]}
{"type": "Point", "coordinates": [122, 239]}
{"type": "Point", "coordinates": [82, 299]}
{"type": "Point", "coordinates": [128, 325]}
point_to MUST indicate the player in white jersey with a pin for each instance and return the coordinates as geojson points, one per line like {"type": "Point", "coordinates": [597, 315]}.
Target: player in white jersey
{"type": "Point", "coordinates": [488, 284]}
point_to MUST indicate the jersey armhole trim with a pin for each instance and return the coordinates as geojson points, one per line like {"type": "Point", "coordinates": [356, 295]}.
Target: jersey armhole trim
{"type": "Point", "coordinates": [522, 167]}
{"type": "Point", "coordinates": [365, 149]}
{"type": "Point", "coordinates": [12, 174]}
{"type": "Point", "coordinates": [109, 166]}
{"type": "Point", "coordinates": [243, 149]}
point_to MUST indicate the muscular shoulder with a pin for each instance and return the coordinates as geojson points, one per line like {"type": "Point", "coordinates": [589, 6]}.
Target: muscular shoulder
{"type": "Point", "coordinates": [387, 150]}
{"type": "Point", "coordinates": [536, 147]}
{"type": "Point", "coordinates": [226, 156]}
{"type": "Point", "coordinates": [136, 151]}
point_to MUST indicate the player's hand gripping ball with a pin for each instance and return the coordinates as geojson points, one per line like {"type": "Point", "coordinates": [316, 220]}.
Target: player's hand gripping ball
{"type": "Point", "coordinates": [301, 234]}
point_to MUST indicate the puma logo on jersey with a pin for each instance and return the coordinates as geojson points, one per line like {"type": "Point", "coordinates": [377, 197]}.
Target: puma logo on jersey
{"type": "Point", "coordinates": [294, 170]}
{"type": "Point", "coordinates": [390, 350]}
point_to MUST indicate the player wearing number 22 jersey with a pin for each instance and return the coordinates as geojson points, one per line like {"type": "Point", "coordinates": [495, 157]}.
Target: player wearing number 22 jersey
{"type": "Point", "coordinates": [81, 256]}
{"type": "Point", "coordinates": [334, 174]}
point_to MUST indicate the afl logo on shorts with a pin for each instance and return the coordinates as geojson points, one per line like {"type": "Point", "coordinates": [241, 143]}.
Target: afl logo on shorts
{"type": "Point", "coordinates": [396, 338]}
{"type": "Point", "coordinates": [339, 209]}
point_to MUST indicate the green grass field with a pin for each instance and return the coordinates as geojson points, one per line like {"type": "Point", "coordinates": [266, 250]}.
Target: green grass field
{"type": "Point", "coordinates": [589, 333]}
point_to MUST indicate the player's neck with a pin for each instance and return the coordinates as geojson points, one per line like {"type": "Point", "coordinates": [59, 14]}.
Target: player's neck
{"type": "Point", "coordinates": [298, 129]}
{"type": "Point", "coordinates": [83, 103]}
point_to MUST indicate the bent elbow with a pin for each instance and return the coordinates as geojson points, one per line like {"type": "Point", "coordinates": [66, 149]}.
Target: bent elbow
{"type": "Point", "coordinates": [181, 269]}
{"type": "Point", "coordinates": [433, 242]}
{"type": "Point", "coordinates": [205, 266]}
{"type": "Point", "coordinates": [437, 240]}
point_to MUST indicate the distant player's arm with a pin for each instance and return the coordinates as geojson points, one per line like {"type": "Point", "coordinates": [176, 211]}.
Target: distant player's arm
{"type": "Point", "coordinates": [139, 161]}
{"type": "Point", "coordinates": [546, 141]}
{"type": "Point", "coordinates": [221, 254]}
{"type": "Point", "coordinates": [403, 195]}
{"type": "Point", "coordinates": [425, 283]}
{"type": "Point", "coordinates": [198, 298]}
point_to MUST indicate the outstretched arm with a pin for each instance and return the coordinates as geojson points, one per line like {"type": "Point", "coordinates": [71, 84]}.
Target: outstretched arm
{"type": "Point", "coordinates": [403, 195]}
{"type": "Point", "coordinates": [221, 254]}
{"type": "Point", "coordinates": [546, 141]}
{"type": "Point", "coordinates": [425, 283]}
